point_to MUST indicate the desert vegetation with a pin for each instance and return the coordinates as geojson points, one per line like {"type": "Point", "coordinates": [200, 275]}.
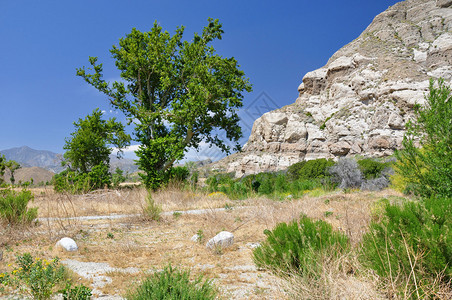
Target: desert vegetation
{"type": "Point", "coordinates": [321, 229]}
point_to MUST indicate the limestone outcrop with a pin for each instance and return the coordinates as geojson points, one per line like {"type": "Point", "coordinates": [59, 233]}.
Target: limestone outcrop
{"type": "Point", "coordinates": [359, 102]}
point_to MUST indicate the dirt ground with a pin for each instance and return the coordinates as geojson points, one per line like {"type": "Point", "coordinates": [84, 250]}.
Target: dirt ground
{"type": "Point", "coordinates": [115, 254]}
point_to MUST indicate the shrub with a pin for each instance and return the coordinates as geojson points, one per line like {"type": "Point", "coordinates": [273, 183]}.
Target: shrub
{"type": "Point", "coordinates": [293, 170]}
{"type": "Point", "coordinates": [78, 292]}
{"type": "Point", "coordinates": [179, 173]}
{"type": "Point", "coordinates": [117, 177]}
{"type": "Point", "coordinates": [172, 283]}
{"type": "Point", "coordinates": [35, 276]}
{"type": "Point", "coordinates": [428, 169]}
{"type": "Point", "coordinates": [346, 173]}
{"type": "Point", "coordinates": [152, 210]}
{"type": "Point", "coordinates": [299, 246]}
{"type": "Point", "coordinates": [371, 168]}
{"type": "Point", "coordinates": [375, 184]}
{"type": "Point", "coordinates": [78, 182]}
{"type": "Point", "coordinates": [311, 169]}
{"type": "Point", "coordinates": [13, 207]}
{"type": "Point", "coordinates": [412, 244]}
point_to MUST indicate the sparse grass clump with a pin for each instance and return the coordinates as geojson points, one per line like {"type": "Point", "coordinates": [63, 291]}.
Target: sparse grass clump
{"type": "Point", "coordinates": [172, 283]}
{"type": "Point", "coordinates": [13, 207]}
{"type": "Point", "coordinates": [299, 246]}
{"type": "Point", "coordinates": [151, 210]}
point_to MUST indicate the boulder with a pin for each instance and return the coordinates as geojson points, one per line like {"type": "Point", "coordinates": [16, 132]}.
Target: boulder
{"type": "Point", "coordinates": [222, 240]}
{"type": "Point", "coordinates": [66, 244]}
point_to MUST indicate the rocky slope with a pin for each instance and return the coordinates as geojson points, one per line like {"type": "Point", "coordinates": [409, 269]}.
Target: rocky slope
{"type": "Point", "coordinates": [359, 102]}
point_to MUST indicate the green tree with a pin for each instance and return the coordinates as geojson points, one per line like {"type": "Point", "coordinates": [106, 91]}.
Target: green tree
{"type": "Point", "coordinates": [88, 153]}
{"type": "Point", "coordinates": [2, 167]}
{"type": "Point", "coordinates": [427, 167]}
{"type": "Point", "coordinates": [177, 93]}
{"type": "Point", "coordinates": [12, 166]}
{"type": "Point", "coordinates": [91, 143]}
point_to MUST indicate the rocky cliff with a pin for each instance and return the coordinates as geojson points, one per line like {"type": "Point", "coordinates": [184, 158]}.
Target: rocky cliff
{"type": "Point", "coordinates": [359, 102]}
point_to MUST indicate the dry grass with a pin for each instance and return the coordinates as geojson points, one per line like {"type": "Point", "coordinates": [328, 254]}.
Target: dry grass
{"type": "Point", "coordinates": [151, 245]}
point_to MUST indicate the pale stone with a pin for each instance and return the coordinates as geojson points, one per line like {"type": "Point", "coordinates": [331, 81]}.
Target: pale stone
{"type": "Point", "coordinates": [340, 148]}
{"type": "Point", "coordinates": [66, 244]}
{"type": "Point", "coordinates": [419, 56]}
{"type": "Point", "coordinates": [222, 240]}
{"type": "Point", "coordinates": [195, 238]}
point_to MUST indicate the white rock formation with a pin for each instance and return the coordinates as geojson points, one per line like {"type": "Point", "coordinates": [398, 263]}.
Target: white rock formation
{"type": "Point", "coordinates": [66, 244]}
{"type": "Point", "coordinates": [359, 102]}
{"type": "Point", "coordinates": [222, 240]}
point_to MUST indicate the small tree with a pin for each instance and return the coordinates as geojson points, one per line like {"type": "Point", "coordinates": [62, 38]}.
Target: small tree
{"type": "Point", "coordinates": [88, 153]}
{"type": "Point", "coordinates": [428, 167]}
{"type": "Point", "coordinates": [178, 93]}
{"type": "Point", "coordinates": [12, 167]}
{"type": "Point", "coordinates": [2, 167]}
{"type": "Point", "coordinates": [90, 144]}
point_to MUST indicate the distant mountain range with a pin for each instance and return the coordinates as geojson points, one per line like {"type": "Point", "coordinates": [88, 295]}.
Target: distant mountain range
{"type": "Point", "coordinates": [28, 157]}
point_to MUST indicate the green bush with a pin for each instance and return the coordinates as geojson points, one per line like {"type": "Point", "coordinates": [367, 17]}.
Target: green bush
{"type": "Point", "coordinates": [311, 169]}
{"type": "Point", "coordinates": [299, 246]}
{"type": "Point", "coordinates": [117, 177]}
{"type": "Point", "coordinates": [35, 276]}
{"type": "Point", "coordinates": [179, 173]}
{"type": "Point", "coordinates": [412, 243]}
{"type": "Point", "coordinates": [172, 283]}
{"type": "Point", "coordinates": [78, 182]}
{"type": "Point", "coordinates": [151, 210]}
{"type": "Point", "coordinates": [427, 169]}
{"type": "Point", "coordinates": [370, 168]}
{"type": "Point", "coordinates": [78, 292]}
{"type": "Point", "coordinates": [13, 207]}
{"type": "Point", "coordinates": [293, 170]}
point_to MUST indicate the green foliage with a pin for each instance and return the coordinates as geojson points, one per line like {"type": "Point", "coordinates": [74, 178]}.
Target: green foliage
{"type": "Point", "coordinates": [172, 283]}
{"type": "Point", "coordinates": [2, 167]}
{"type": "Point", "coordinates": [117, 177]}
{"type": "Point", "coordinates": [12, 167]}
{"type": "Point", "coordinates": [13, 207]}
{"type": "Point", "coordinates": [371, 168]}
{"type": "Point", "coordinates": [276, 185]}
{"type": "Point", "coordinates": [90, 144]}
{"type": "Point", "coordinates": [299, 246]}
{"type": "Point", "coordinates": [179, 174]}
{"type": "Point", "coordinates": [35, 276]}
{"type": "Point", "coordinates": [428, 169]}
{"type": "Point", "coordinates": [87, 155]}
{"type": "Point", "coordinates": [152, 210]}
{"type": "Point", "coordinates": [77, 182]}
{"type": "Point", "coordinates": [412, 243]}
{"type": "Point", "coordinates": [78, 292]}
{"type": "Point", "coordinates": [177, 92]}
{"type": "Point", "coordinates": [311, 169]}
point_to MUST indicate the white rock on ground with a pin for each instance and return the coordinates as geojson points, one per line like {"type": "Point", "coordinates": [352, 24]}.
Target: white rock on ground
{"type": "Point", "coordinates": [66, 244]}
{"type": "Point", "coordinates": [222, 240]}
{"type": "Point", "coordinates": [196, 238]}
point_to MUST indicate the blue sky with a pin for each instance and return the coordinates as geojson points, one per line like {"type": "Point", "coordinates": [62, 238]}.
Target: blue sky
{"type": "Point", "coordinates": [43, 42]}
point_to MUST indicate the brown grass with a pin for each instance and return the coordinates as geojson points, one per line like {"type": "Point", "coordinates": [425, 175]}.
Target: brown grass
{"type": "Point", "coordinates": [152, 245]}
